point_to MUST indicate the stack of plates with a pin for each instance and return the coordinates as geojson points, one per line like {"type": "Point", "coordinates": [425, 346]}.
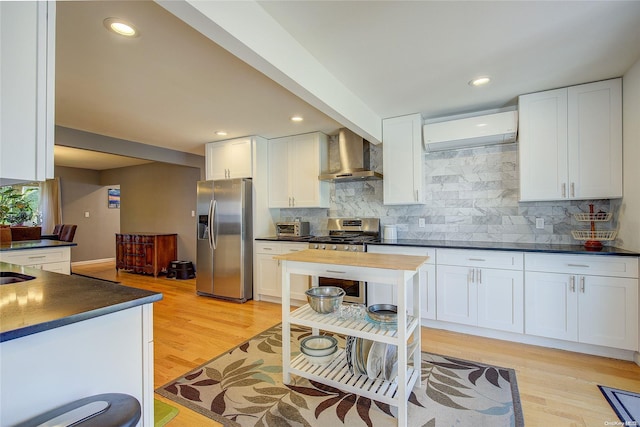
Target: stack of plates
{"type": "Point", "coordinates": [374, 359]}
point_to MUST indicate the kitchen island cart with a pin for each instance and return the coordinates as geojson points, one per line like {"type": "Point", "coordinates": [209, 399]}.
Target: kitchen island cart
{"type": "Point", "coordinates": [398, 270]}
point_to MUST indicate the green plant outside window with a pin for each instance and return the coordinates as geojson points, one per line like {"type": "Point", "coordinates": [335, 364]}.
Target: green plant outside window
{"type": "Point", "coordinates": [19, 205]}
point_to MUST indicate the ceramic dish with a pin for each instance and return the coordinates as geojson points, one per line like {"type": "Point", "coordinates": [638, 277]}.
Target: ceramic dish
{"type": "Point", "coordinates": [364, 354]}
{"type": "Point", "coordinates": [374, 360]}
{"type": "Point", "coordinates": [318, 345]}
{"type": "Point", "coordinates": [321, 360]}
{"type": "Point", "coordinates": [349, 351]}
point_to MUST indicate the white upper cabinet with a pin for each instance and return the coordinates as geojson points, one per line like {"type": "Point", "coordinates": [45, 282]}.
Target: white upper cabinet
{"type": "Point", "coordinates": [27, 81]}
{"type": "Point", "coordinates": [402, 160]}
{"type": "Point", "coordinates": [571, 143]}
{"type": "Point", "coordinates": [295, 162]}
{"type": "Point", "coordinates": [229, 159]}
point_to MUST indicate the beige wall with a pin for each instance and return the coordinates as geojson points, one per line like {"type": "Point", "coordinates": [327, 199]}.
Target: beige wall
{"type": "Point", "coordinates": [81, 191]}
{"type": "Point", "coordinates": [158, 197]}
{"type": "Point", "coordinates": [629, 231]}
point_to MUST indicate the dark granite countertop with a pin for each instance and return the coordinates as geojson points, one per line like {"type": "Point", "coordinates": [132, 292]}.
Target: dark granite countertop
{"type": "Point", "coordinates": [502, 246]}
{"type": "Point", "coordinates": [302, 239]}
{"type": "Point", "coordinates": [52, 300]}
{"type": "Point", "coordinates": [34, 244]}
{"type": "Point", "coordinates": [495, 246]}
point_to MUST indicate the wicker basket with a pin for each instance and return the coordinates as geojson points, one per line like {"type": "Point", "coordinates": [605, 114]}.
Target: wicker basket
{"type": "Point", "coordinates": [600, 235]}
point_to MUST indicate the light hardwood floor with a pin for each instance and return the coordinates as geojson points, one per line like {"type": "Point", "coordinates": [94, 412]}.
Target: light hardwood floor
{"type": "Point", "coordinates": [557, 388]}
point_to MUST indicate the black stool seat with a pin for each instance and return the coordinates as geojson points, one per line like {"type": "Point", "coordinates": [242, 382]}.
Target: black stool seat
{"type": "Point", "coordinates": [181, 270]}
{"type": "Point", "coordinates": [101, 410]}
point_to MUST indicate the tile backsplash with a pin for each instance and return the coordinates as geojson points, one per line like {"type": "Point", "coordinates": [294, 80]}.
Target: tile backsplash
{"type": "Point", "coordinates": [471, 195]}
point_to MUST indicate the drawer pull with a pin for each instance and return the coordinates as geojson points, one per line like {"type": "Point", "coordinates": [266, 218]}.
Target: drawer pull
{"type": "Point", "coordinates": [477, 259]}
{"type": "Point", "coordinates": [577, 265]}
{"type": "Point", "coordinates": [267, 249]}
{"type": "Point", "coordinates": [335, 271]}
{"type": "Point", "coordinates": [37, 257]}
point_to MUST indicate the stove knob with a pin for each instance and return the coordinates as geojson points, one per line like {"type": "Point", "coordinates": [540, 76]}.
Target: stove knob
{"type": "Point", "coordinates": [354, 248]}
{"type": "Point", "coordinates": [334, 247]}
{"type": "Point", "coordinates": [314, 246]}
{"type": "Point", "coordinates": [346, 247]}
{"type": "Point", "coordinates": [323, 246]}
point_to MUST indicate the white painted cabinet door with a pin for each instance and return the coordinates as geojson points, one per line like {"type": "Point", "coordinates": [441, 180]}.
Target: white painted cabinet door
{"type": "Point", "coordinates": [500, 299]}
{"type": "Point", "coordinates": [403, 162]}
{"type": "Point", "coordinates": [295, 162]}
{"type": "Point", "coordinates": [229, 159]}
{"type": "Point", "coordinates": [542, 137]}
{"type": "Point", "coordinates": [267, 275]}
{"type": "Point", "coordinates": [608, 311]}
{"type": "Point", "coordinates": [457, 296]}
{"type": "Point", "coordinates": [239, 158]}
{"type": "Point", "coordinates": [279, 196]}
{"type": "Point", "coordinates": [299, 283]}
{"type": "Point", "coordinates": [305, 160]}
{"type": "Point", "coordinates": [595, 140]}
{"type": "Point", "coordinates": [27, 80]}
{"type": "Point", "coordinates": [552, 306]}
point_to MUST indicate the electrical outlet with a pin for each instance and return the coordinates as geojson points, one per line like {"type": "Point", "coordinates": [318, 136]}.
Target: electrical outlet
{"type": "Point", "coordinates": [540, 223]}
{"type": "Point", "coordinates": [421, 222]}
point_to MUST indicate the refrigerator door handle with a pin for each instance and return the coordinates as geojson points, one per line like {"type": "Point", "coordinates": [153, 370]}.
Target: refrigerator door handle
{"type": "Point", "coordinates": [214, 223]}
{"type": "Point", "coordinates": [209, 225]}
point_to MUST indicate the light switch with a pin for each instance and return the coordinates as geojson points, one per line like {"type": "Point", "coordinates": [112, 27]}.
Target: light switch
{"type": "Point", "coordinates": [86, 214]}
{"type": "Point", "coordinates": [193, 214]}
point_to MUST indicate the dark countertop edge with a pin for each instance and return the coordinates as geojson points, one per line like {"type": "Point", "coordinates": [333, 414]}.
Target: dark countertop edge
{"type": "Point", "coordinates": [494, 246]}
{"type": "Point", "coordinates": [510, 247]}
{"type": "Point", "coordinates": [34, 244]}
{"type": "Point", "coordinates": [79, 317]}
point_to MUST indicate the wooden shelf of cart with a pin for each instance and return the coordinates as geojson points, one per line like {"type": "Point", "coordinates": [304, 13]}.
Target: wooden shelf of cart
{"type": "Point", "coordinates": [398, 270]}
{"type": "Point", "coordinates": [148, 253]}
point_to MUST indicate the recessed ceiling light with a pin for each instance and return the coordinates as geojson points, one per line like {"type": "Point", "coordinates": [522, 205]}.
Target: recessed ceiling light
{"type": "Point", "coordinates": [221, 133]}
{"type": "Point", "coordinates": [480, 81]}
{"type": "Point", "coordinates": [121, 27]}
{"type": "Point", "coordinates": [297, 119]}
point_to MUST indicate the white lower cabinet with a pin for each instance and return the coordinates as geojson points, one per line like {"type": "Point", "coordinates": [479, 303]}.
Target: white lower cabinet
{"type": "Point", "coordinates": [378, 293]}
{"type": "Point", "coordinates": [565, 302]}
{"type": "Point", "coordinates": [268, 272]}
{"type": "Point", "coordinates": [57, 260]}
{"type": "Point", "coordinates": [480, 296]}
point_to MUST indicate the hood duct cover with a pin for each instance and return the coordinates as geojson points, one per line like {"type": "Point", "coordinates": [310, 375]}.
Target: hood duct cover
{"type": "Point", "coordinates": [354, 159]}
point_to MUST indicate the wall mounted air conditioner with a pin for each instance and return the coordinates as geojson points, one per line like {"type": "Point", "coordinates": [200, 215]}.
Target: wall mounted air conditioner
{"type": "Point", "coordinates": [475, 131]}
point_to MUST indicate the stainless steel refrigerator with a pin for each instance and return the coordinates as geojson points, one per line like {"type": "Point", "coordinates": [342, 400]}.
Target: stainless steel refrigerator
{"type": "Point", "coordinates": [224, 259]}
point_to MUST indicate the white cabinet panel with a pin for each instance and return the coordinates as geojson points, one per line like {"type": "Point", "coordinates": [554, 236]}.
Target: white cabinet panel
{"type": "Point", "coordinates": [402, 160]}
{"type": "Point", "coordinates": [268, 276]}
{"type": "Point", "coordinates": [586, 309]}
{"type": "Point", "coordinates": [575, 135]}
{"type": "Point", "coordinates": [27, 81]}
{"type": "Point", "coordinates": [57, 260]}
{"type": "Point", "coordinates": [295, 162]}
{"type": "Point", "coordinates": [379, 293]}
{"type": "Point", "coordinates": [481, 288]}
{"type": "Point", "coordinates": [552, 309]}
{"type": "Point", "coordinates": [229, 159]}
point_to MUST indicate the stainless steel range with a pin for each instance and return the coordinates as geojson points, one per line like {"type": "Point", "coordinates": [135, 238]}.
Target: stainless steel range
{"type": "Point", "coordinates": [348, 234]}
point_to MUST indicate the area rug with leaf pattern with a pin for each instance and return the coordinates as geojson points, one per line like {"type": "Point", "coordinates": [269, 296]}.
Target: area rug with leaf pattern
{"type": "Point", "coordinates": [243, 387]}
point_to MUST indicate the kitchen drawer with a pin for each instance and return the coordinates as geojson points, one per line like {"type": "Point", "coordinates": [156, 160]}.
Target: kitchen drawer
{"type": "Point", "coordinates": [268, 248]}
{"type": "Point", "coordinates": [583, 264]}
{"type": "Point", "coordinates": [293, 247]}
{"type": "Point", "coordinates": [36, 256]}
{"type": "Point", "coordinates": [483, 259]}
{"type": "Point", "coordinates": [404, 250]}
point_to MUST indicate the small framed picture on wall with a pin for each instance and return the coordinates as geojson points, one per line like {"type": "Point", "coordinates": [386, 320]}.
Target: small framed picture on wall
{"type": "Point", "coordinates": [113, 198]}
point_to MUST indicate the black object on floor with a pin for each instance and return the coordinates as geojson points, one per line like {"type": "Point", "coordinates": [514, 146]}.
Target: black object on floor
{"type": "Point", "coordinates": [101, 410]}
{"type": "Point", "coordinates": [181, 270]}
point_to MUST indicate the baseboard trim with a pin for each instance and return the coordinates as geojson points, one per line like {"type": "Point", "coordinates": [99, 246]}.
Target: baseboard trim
{"type": "Point", "coordinates": [93, 261]}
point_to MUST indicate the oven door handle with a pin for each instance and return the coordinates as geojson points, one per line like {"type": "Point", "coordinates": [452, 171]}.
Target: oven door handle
{"type": "Point", "coordinates": [335, 271]}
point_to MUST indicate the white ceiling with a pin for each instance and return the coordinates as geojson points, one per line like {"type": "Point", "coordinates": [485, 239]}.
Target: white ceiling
{"type": "Point", "coordinates": [174, 87]}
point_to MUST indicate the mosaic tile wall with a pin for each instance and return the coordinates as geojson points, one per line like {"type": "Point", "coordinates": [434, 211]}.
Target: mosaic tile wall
{"type": "Point", "coordinates": [472, 195]}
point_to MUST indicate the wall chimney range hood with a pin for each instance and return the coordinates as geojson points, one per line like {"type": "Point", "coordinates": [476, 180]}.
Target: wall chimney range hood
{"type": "Point", "coordinates": [354, 160]}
